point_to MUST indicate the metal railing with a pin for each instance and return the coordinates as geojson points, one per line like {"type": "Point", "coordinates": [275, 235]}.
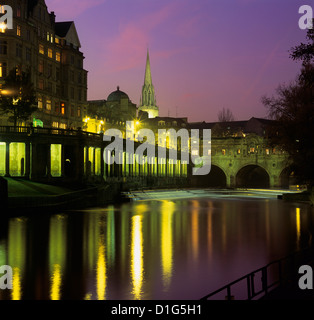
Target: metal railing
{"type": "Point", "coordinates": [284, 271]}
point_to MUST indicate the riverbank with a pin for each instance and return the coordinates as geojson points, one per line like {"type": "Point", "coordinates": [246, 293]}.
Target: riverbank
{"type": "Point", "coordinates": [24, 196]}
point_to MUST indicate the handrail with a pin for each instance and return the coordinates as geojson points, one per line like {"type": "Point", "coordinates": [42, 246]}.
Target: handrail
{"type": "Point", "coordinates": [251, 293]}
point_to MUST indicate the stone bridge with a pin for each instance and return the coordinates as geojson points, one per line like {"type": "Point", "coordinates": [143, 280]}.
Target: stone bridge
{"type": "Point", "coordinates": [246, 162]}
{"type": "Point", "coordinates": [49, 155]}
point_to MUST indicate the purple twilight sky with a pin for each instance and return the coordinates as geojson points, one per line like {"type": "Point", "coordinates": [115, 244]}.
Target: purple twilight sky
{"type": "Point", "coordinates": [205, 54]}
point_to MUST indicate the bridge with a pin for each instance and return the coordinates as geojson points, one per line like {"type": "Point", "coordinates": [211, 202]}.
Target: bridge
{"type": "Point", "coordinates": [75, 156]}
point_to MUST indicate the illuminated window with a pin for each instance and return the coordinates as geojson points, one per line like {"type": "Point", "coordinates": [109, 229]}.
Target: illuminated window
{"type": "Point", "coordinates": [62, 108]}
{"type": "Point", "coordinates": [58, 56]}
{"type": "Point", "coordinates": [223, 151]}
{"type": "Point", "coordinates": [48, 36]}
{"type": "Point", "coordinates": [57, 40]}
{"type": "Point", "coordinates": [48, 104]}
{"type": "Point", "coordinates": [2, 27]}
{"type": "Point", "coordinates": [3, 47]}
{"type": "Point", "coordinates": [40, 102]}
{"type": "Point", "coordinates": [63, 126]}
{"type": "Point", "coordinates": [252, 150]}
{"type": "Point", "coordinates": [41, 49]}
{"type": "Point", "coordinates": [18, 30]}
{"type": "Point", "coordinates": [239, 151]}
{"type": "Point", "coordinates": [194, 152]}
{"type": "Point", "coordinates": [3, 69]}
{"type": "Point", "coordinates": [267, 151]}
{"type": "Point", "coordinates": [55, 124]}
{"type": "Point", "coordinates": [50, 53]}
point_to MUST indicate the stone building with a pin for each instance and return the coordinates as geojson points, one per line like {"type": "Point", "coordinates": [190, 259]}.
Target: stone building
{"type": "Point", "coordinates": [50, 50]}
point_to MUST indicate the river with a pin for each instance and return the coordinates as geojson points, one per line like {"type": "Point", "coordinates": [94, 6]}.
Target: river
{"type": "Point", "coordinates": [162, 248]}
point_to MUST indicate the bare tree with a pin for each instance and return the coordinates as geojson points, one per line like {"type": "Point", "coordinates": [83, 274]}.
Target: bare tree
{"type": "Point", "coordinates": [225, 115]}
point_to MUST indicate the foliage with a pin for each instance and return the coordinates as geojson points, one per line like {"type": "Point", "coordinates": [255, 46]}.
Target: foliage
{"type": "Point", "coordinates": [18, 99]}
{"type": "Point", "coordinates": [293, 110]}
{"type": "Point", "coordinates": [225, 115]}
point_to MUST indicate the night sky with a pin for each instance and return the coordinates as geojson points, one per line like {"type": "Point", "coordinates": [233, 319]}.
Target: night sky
{"type": "Point", "coordinates": [205, 54]}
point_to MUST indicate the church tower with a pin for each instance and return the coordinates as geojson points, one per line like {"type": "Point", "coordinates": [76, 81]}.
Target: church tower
{"type": "Point", "coordinates": [148, 98]}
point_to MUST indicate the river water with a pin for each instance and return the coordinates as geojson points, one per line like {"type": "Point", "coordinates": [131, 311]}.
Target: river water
{"type": "Point", "coordinates": [150, 249]}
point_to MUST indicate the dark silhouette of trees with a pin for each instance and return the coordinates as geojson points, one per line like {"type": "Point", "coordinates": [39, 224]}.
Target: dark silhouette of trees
{"type": "Point", "coordinates": [18, 99]}
{"type": "Point", "coordinates": [225, 115]}
{"type": "Point", "coordinates": [293, 110]}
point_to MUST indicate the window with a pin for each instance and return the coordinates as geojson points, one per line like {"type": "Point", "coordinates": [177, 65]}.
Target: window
{"type": "Point", "coordinates": [19, 50]}
{"type": "Point", "coordinates": [194, 152]}
{"type": "Point", "coordinates": [78, 111]}
{"type": "Point", "coordinates": [3, 69]}
{"type": "Point", "coordinates": [72, 93]}
{"type": "Point", "coordinates": [63, 126]}
{"type": "Point", "coordinates": [3, 47]}
{"type": "Point", "coordinates": [239, 151]}
{"type": "Point", "coordinates": [62, 108]}
{"type": "Point", "coordinates": [28, 54]}
{"type": "Point", "coordinates": [72, 111]}
{"type": "Point", "coordinates": [49, 70]}
{"type": "Point", "coordinates": [252, 149]}
{"type": "Point", "coordinates": [58, 56]}
{"type": "Point", "coordinates": [40, 102]}
{"type": "Point", "coordinates": [48, 36]}
{"type": "Point", "coordinates": [18, 11]}
{"type": "Point", "coordinates": [57, 108]}
{"type": "Point", "coordinates": [48, 104]}
{"type": "Point", "coordinates": [28, 35]}
{"type": "Point", "coordinates": [50, 53]}
{"type": "Point", "coordinates": [49, 87]}
{"type": "Point", "coordinates": [223, 151]}
{"type": "Point", "coordinates": [267, 151]}
{"type": "Point", "coordinates": [41, 66]}
{"type": "Point", "coordinates": [55, 124]}
{"type": "Point", "coordinates": [72, 59]}
{"type": "Point", "coordinates": [41, 84]}
{"type": "Point", "coordinates": [18, 30]}
{"type": "Point", "coordinates": [41, 49]}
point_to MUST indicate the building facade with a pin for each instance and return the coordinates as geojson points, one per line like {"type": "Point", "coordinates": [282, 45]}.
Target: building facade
{"type": "Point", "coordinates": [50, 51]}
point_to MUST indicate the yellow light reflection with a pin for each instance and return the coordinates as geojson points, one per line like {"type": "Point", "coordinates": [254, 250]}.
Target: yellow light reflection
{"type": "Point", "coordinates": [137, 257]}
{"type": "Point", "coordinates": [298, 226]}
{"type": "Point", "coordinates": [16, 284]}
{"type": "Point", "coordinates": [101, 270]}
{"type": "Point", "coordinates": [55, 291]}
{"type": "Point", "coordinates": [17, 255]}
{"type": "Point", "coordinates": [168, 208]}
{"type": "Point", "coordinates": [57, 254]}
{"type": "Point", "coordinates": [195, 228]}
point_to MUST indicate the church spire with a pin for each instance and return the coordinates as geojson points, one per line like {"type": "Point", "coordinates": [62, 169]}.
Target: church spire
{"type": "Point", "coordinates": [148, 100]}
{"type": "Point", "coordinates": [148, 74]}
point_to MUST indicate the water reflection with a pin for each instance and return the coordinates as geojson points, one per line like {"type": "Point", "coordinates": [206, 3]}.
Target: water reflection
{"type": "Point", "coordinates": [167, 211]}
{"type": "Point", "coordinates": [57, 254]}
{"type": "Point", "coordinates": [137, 257]}
{"type": "Point", "coordinates": [178, 249]}
{"type": "Point", "coordinates": [17, 254]}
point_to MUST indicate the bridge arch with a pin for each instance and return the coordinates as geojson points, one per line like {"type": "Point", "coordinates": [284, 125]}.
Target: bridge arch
{"type": "Point", "coordinates": [252, 176]}
{"type": "Point", "coordinates": [287, 178]}
{"type": "Point", "coordinates": [215, 179]}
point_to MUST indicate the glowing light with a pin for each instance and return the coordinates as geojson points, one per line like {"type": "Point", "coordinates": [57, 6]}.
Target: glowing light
{"type": "Point", "coordinates": [167, 242]}
{"type": "Point", "coordinates": [16, 284]}
{"type": "Point", "coordinates": [298, 226]}
{"type": "Point", "coordinates": [55, 291]}
{"type": "Point", "coordinates": [137, 257]}
{"type": "Point", "coordinates": [101, 270]}
{"type": "Point", "coordinates": [3, 27]}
